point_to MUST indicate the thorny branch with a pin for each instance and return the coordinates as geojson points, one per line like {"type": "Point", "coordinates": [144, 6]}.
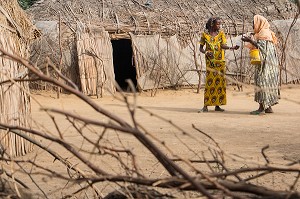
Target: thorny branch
{"type": "Point", "coordinates": [178, 177]}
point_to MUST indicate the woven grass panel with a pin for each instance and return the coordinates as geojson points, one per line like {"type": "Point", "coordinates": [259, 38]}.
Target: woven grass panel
{"type": "Point", "coordinates": [95, 62]}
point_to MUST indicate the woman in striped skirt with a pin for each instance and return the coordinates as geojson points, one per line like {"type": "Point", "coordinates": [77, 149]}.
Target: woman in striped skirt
{"type": "Point", "coordinates": [266, 76]}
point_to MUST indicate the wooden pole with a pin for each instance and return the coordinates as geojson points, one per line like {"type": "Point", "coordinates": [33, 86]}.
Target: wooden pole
{"type": "Point", "coordinates": [61, 55]}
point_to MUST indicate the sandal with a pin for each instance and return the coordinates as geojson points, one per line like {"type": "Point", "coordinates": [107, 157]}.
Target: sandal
{"type": "Point", "coordinates": [269, 110]}
{"type": "Point", "coordinates": [204, 109]}
{"type": "Point", "coordinates": [217, 108]}
{"type": "Point", "coordinates": [256, 112]}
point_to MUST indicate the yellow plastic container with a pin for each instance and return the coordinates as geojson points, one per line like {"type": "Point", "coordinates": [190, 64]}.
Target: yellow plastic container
{"type": "Point", "coordinates": [255, 57]}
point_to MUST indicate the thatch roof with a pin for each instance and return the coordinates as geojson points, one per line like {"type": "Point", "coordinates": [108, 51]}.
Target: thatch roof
{"type": "Point", "coordinates": [163, 16]}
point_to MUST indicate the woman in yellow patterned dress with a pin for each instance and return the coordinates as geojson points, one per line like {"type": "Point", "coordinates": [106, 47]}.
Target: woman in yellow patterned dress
{"type": "Point", "coordinates": [214, 41]}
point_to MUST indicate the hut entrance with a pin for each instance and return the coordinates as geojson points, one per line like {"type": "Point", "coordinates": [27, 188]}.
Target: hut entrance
{"type": "Point", "coordinates": [124, 67]}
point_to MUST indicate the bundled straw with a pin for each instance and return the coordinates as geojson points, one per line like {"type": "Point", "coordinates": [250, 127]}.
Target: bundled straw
{"type": "Point", "coordinates": [14, 99]}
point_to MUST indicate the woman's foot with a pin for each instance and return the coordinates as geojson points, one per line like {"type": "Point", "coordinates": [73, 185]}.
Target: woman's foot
{"type": "Point", "coordinates": [269, 110]}
{"type": "Point", "coordinates": [217, 108]}
{"type": "Point", "coordinates": [204, 109]}
{"type": "Point", "coordinates": [258, 111]}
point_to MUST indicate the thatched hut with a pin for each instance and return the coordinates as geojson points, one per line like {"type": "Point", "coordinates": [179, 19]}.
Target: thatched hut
{"type": "Point", "coordinates": [15, 29]}
{"type": "Point", "coordinates": [151, 42]}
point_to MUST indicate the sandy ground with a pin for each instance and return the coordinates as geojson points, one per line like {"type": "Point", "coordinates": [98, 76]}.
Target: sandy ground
{"type": "Point", "coordinates": [237, 132]}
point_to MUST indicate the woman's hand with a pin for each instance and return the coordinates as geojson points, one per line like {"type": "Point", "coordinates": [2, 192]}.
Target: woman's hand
{"type": "Point", "coordinates": [246, 39]}
{"type": "Point", "coordinates": [250, 40]}
{"type": "Point", "coordinates": [209, 54]}
{"type": "Point", "coordinates": [235, 47]}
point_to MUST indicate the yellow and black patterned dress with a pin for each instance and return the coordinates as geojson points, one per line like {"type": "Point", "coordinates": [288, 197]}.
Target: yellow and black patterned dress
{"type": "Point", "coordinates": [215, 86]}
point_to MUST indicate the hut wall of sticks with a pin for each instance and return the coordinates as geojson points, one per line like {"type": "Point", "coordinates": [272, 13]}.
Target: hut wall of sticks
{"type": "Point", "coordinates": [15, 29]}
{"type": "Point", "coordinates": [153, 43]}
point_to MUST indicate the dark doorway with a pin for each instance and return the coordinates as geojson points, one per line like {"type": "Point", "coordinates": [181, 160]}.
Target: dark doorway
{"type": "Point", "coordinates": [123, 63]}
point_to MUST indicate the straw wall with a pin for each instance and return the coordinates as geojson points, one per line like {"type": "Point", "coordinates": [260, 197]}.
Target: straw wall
{"type": "Point", "coordinates": [57, 42]}
{"type": "Point", "coordinates": [289, 58]}
{"type": "Point", "coordinates": [95, 62]}
{"type": "Point", "coordinates": [14, 99]}
{"type": "Point", "coordinates": [162, 62]}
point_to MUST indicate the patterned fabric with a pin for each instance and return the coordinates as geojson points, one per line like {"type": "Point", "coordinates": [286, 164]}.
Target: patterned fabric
{"type": "Point", "coordinates": [215, 86]}
{"type": "Point", "coordinates": [266, 76]}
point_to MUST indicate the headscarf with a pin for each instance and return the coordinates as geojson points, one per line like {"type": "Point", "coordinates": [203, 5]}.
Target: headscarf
{"type": "Point", "coordinates": [262, 29]}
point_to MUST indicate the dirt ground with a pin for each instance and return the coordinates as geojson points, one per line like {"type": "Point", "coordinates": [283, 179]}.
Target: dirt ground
{"type": "Point", "coordinates": [238, 133]}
